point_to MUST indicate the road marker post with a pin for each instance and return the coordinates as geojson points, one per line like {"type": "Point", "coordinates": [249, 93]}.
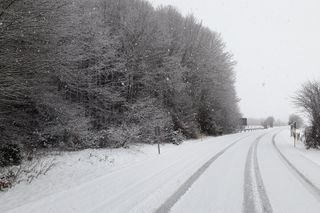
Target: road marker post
{"type": "Point", "coordinates": [294, 133]}
{"type": "Point", "coordinates": [157, 133]}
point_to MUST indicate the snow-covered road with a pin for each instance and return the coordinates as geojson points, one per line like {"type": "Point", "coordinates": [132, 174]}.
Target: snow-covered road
{"type": "Point", "coordinates": [256, 171]}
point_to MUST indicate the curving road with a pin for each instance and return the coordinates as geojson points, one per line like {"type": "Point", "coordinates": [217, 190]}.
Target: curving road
{"type": "Point", "coordinates": [248, 172]}
{"type": "Point", "coordinates": [255, 176]}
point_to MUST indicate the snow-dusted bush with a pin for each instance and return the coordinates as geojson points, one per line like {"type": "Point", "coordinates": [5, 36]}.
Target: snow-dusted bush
{"type": "Point", "coordinates": [308, 99]}
{"type": "Point", "coordinates": [27, 171]}
{"type": "Point", "coordinates": [10, 154]}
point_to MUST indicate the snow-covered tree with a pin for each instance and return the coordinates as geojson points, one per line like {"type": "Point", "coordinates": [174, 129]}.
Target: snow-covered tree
{"type": "Point", "coordinates": [308, 99]}
{"type": "Point", "coordinates": [295, 118]}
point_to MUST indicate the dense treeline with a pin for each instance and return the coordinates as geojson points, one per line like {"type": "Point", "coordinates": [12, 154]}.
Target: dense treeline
{"type": "Point", "coordinates": [80, 73]}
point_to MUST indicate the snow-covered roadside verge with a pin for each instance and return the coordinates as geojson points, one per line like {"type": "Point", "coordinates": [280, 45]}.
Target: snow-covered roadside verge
{"type": "Point", "coordinates": [73, 169]}
{"type": "Point", "coordinates": [70, 169]}
{"type": "Point", "coordinates": [306, 161]}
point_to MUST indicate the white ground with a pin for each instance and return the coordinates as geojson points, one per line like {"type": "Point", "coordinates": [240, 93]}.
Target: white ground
{"type": "Point", "coordinates": [140, 180]}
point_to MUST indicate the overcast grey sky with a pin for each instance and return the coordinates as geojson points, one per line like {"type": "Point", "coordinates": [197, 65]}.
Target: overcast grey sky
{"type": "Point", "coordinates": [275, 42]}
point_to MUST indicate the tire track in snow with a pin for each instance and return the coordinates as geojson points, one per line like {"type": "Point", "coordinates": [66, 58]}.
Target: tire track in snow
{"type": "Point", "coordinates": [126, 195]}
{"type": "Point", "coordinates": [303, 179]}
{"type": "Point", "coordinates": [169, 203]}
{"type": "Point", "coordinates": [248, 196]}
{"type": "Point", "coordinates": [112, 203]}
{"type": "Point", "coordinates": [266, 206]}
{"type": "Point", "coordinates": [252, 176]}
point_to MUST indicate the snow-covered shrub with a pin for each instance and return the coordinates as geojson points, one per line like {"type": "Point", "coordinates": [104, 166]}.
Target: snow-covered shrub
{"type": "Point", "coordinates": [312, 137]}
{"type": "Point", "coordinates": [147, 115]}
{"type": "Point", "coordinates": [121, 136]}
{"type": "Point", "coordinates": [308, 99]}
{"type": "Point", "coordinates": [10, 154]}
{"type": "Point", "coordinates": [27, 171]}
